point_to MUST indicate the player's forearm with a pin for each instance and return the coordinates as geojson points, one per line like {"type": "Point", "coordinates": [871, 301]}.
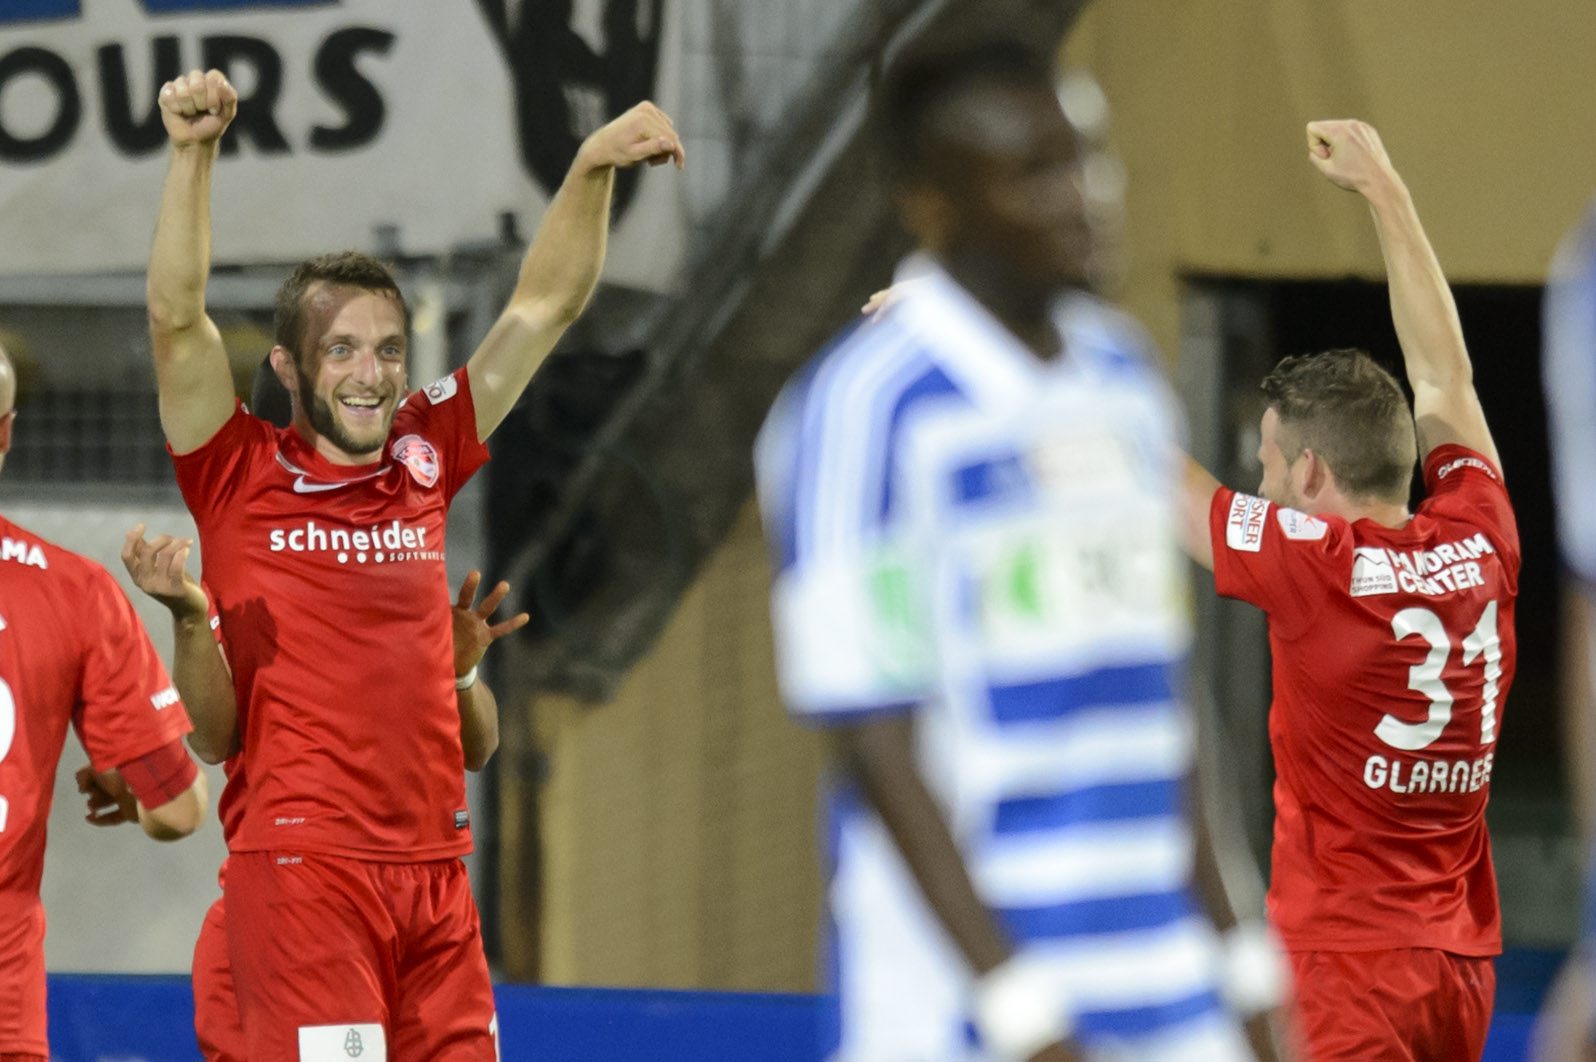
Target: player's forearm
{"type": "Point", "coordinates": [180, 259]}
{"type": "Point", "coordinates": [200, 674]}
{"type": "Point", "coordinates": [1197, 489]}
{"type": "Point", "coordinates": [879, 756]}
{"type": "Point", "coordinates": [1422, 307]}
{"type": "Point", "coordinates": [479, 724]}
{"type": "Point", "coordinates": [177, 818]}
{"type": "Point", "coordinates": [563, 265]}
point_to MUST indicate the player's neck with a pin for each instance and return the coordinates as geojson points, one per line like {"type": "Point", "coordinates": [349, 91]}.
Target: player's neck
{"type": "Point", "coordinates": [1026, 312]}
{"type": "Point", "coordinates": [1387, 514]}
{"type": "Point", "coordinates": [329, 450]}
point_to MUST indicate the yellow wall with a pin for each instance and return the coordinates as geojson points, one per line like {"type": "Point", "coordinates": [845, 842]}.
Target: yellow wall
{"type": "Point", "coordinates": [1486, 107]}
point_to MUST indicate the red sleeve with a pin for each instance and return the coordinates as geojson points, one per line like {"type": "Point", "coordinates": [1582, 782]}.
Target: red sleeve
{"type": "Point", "coordinates": [445, 413]}
{"type": "Point", "coordinates": [1283, 561]}
{"type": "Point", "coordinates": [127, 705]}
{"type": "Point", "coordinates": [162, 776]}
{"type": "Point", "coordinates": [209, 475]}
{"type": "Point", "coordinates": [1463, 485]}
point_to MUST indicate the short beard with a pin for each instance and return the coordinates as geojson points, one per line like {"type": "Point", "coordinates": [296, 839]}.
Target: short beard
{"type": "Point", "coordinates": [325, 421]}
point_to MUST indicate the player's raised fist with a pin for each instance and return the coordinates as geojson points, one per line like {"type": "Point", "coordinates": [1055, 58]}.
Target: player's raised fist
{"type": "Point", "coordinates": [1349, 153]}
{"type": "Point", "coordinates": [198, 107]}
{"type": "Point", "coordinates": [643, 134]}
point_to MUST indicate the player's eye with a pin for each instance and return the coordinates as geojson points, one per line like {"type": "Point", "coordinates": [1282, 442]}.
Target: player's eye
{"type": "Point", "coordinates": [339, 350]}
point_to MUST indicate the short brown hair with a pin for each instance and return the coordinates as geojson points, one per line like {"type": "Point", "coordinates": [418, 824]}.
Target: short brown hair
{"type": "Point", "coordinates": [1344, 407]}
{"type": "Point", "coordinates": [344, 269]}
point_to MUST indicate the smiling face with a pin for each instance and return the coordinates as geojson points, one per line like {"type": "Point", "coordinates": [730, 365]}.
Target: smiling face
{"type": "Point", "coordinates": [350, 376]}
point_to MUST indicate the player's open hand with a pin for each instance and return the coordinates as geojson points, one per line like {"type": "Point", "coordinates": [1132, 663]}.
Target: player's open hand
{"type": "Point", "coordinates": [1349, 153]}
{"type": "Point", "coordinates": [198, 107]}
{"type": "Point", "coordinates": [160, 568]}
{"type": "Point", "coordinates": [474, 630]}
{"type": "Point", "coordinates": [109, 800]}
{"type": "Point", "coordinates": [643, 134]}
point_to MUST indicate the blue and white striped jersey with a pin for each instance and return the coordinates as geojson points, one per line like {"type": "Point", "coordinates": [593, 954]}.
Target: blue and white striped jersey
{"type": "Point", "coordinates": [965, 532]}
{"type": "Point", "coordinates": [1569, 369]}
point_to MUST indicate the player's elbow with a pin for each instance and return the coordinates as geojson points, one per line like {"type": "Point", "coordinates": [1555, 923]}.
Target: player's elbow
{"type": "Point", "coordinates": [172, 317]}
{"type": "Point", "coordinates": [479, 751]}
{"type": "Point", "coordinates": [209, 748]}
{"type": "Point", "coordinates": [180, 817]}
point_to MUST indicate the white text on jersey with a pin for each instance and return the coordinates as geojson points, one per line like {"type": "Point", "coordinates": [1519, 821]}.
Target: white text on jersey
{"type": "Point", "coordinates": [29, 553]}
{"type": "Point", "coordinates": [393, 541]}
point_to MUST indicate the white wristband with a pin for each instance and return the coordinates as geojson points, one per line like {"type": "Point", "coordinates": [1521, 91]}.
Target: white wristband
{"type": "Point", "coordinates": [1252, 972]}
{"type": "Point", "coordinates": [466, 681]}
{"type": "Point", "coordinates": [1019, 1009]}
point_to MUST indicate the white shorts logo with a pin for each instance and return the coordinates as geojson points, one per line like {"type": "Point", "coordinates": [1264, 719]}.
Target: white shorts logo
{"type": "Point", "coordinates": [1300, 527]}
{"type": "Point", "coordinates": [339, 1043]}
{"type": "Point", "coordinates": [1244, 527]}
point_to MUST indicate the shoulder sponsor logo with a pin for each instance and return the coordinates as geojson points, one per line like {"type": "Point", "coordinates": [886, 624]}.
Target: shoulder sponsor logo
{"type": "Point", "coordinates": [1300, 527]}
{"type": "Point", "coordinates": [443, 390]}
{"type": "Point", "coordinates": [420, 457]}
{"type": "Point", "coordinates": [21, 551]}
{"type": "Point", "coordinates": [1372, 572]}
{"type": "Point", "coordinates": [165, 698]}
{"type": "Point", "coordinates": [1465, 462]}
{"type": "Point", "coordinates": [1244, 527]}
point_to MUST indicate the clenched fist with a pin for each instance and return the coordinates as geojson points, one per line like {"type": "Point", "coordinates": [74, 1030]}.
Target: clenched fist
{"type": "Point", "coordinates": [643, 134]}
{"type": "Point", "coordinates": [198, 107]}
{"type": "Point", "coordinates": [1349, 153]}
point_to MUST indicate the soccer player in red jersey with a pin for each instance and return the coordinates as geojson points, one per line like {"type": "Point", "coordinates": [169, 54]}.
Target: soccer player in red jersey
{"type": "Point", "coordinates": [1391, 634]}
{"type": "Point", "coordinates": [350, 924]}
{"type": "Point", "coordinates": [71, 651]}
{"type": "Point", "coordinates": [201, 674]}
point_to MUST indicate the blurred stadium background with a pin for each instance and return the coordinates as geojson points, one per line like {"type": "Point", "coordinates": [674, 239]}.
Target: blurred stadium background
{"type": "Point", "coordinates": [650, 820]}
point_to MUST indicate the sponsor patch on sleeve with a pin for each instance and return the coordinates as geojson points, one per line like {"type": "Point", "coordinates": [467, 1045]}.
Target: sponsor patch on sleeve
{"type": "Point", "coordinates": [1372, 572]}
{"type": "Point", "coordinates": [1464, 462]}
{"type": "Point", "coordinates": [1300, 527]}
{"type": "Point", "coordinates": [443, 390]}
{"type": "Point", "coordinates": [1244, 526]}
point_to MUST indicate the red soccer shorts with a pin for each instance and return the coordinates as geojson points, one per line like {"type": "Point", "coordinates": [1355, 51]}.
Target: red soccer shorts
{"type": "Point", "coordinates": [1403, 1005]}
{"type": "Point", "coordinates": [338, 958]}
{"type": "Point", "coordinates": [216, 1023]}
{"type": "Point", "coordinates": [22, 1021]}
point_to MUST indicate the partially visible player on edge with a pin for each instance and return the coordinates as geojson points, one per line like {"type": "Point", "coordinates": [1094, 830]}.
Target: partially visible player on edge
{"type": "Point", "coordinates": [350, 923]}
{"type": "Point", "coordinates": [971, 501]}
{"type": "Point", "coordinates": [1391, 634]}
{"type": "Point", "coordinates": [71, 651]}
{"type": "Point", "coordinates": [1567, 1032]}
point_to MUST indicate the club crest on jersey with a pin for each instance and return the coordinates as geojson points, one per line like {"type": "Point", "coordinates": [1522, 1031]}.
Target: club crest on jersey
{"type": "Point", "coordinates": [420, 457]}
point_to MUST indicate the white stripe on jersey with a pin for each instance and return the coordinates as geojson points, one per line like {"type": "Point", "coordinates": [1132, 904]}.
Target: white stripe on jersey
{"type": "Point", "coordinates": [1083, 862]}
{"type": "Point", "coordinates": [1101, 746]}
{"type": "Point", "coordinates": [1138, 969]}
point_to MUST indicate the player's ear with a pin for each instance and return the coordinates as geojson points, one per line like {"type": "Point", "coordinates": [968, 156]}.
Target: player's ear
{"type": "Point", "coordinates": [1315, 474]}
{"type": "Point", "coordinates": [6, 421]}
{"type": "Point", "coordinates": [285, 369]}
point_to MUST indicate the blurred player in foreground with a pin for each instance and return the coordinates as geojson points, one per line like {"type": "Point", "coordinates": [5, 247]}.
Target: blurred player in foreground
{"type": "Point", "coordinates": [1568, 1031]}
{"type": "Point", "coordinates": [72, 651]}
{"type": "Point", "coordinates": [1391, 634]}
{"type": "Point", "coordinates": [350, 923]}
{"type": "Point", "coordinates": [971, 502]}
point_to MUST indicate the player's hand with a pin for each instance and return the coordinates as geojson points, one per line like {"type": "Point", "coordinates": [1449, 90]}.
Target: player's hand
{"type": "Point", "coordinates": [198, 107]}
{"type": "Point", "coordinates": [643, 134]}
{"type": "Point", "coordinates": [160, 569]}
{"type": "Point", "coordinates": [473, 629]}
{"type": "Point", "coordinates": [1349, 153]}
{"type": "Point", "coordinates": [110, 803]}
{"type": "Point", "coordinates": [1057, 1053]}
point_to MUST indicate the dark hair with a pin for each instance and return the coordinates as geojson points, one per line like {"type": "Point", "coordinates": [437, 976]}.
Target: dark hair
{"type": "Point", "coordinates": [929, 75]}
{"type": "Point", "coordinates": [1344, 407]}
{"type": "Point", "coordinates": [268, 398]}
{"type": "Point", "coordinates": [344, 269]}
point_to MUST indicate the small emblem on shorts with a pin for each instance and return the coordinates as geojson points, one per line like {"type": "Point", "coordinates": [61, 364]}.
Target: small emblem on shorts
{"type": "Point", "coordinates": [462, 820]}
{"type": "Point", "coordinates": [353, 1047]}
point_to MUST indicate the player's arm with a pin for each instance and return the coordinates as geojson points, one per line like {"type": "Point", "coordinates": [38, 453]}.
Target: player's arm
{"type": "Point", "coordinates": [191, 370]}
{"type": "Point", "coordinates": [562, 266]}
{"type": "Point", "coordinates": [1446, 408]}
{"type": "Point", "coordinates": [474, 631]}
{"type": "Point", "coordinates": [199, 668]}
{"type": "Point", "coordinates": [878, 755]}
{"type": "Point", "coordinates": [1197, 489]}
{"type": "Point", "coordinates": [169, 804]}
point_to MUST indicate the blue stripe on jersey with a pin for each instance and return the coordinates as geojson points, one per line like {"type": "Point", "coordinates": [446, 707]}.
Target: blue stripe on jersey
{"type": "Point", "coordinates": [1161, 798]}
{"type": "Point", "coordinates": [931, 383]}
{"type": "Point", "coordinates": [1111, 914]}
{"type": "Point", "coordinates": [1056, 698]}
{"type": "Point", "coordinates": [1003, 477]}
{"type": "Point", "coordinates": [1136, 1022]}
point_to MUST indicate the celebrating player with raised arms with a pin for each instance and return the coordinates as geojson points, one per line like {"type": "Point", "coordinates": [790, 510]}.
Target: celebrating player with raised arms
{"type": "Point", "coordinates": [349, 917]}
{"type": "Point", "coordinates": [1391, 634]}
{"type": "Point", "coordinates": [72, 651]}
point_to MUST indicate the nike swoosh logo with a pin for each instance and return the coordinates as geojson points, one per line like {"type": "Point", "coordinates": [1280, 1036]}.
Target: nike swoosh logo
{"type": "Point", "coordinates": [304, 486]}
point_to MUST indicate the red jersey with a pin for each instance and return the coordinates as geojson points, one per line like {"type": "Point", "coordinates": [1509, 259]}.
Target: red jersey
{"type": "Point", "coordinates": [1392, 651]}
{"type": "Point", "coordinates": [328, 579]}
{"type": "Point", "coordinates": [71, 650]}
